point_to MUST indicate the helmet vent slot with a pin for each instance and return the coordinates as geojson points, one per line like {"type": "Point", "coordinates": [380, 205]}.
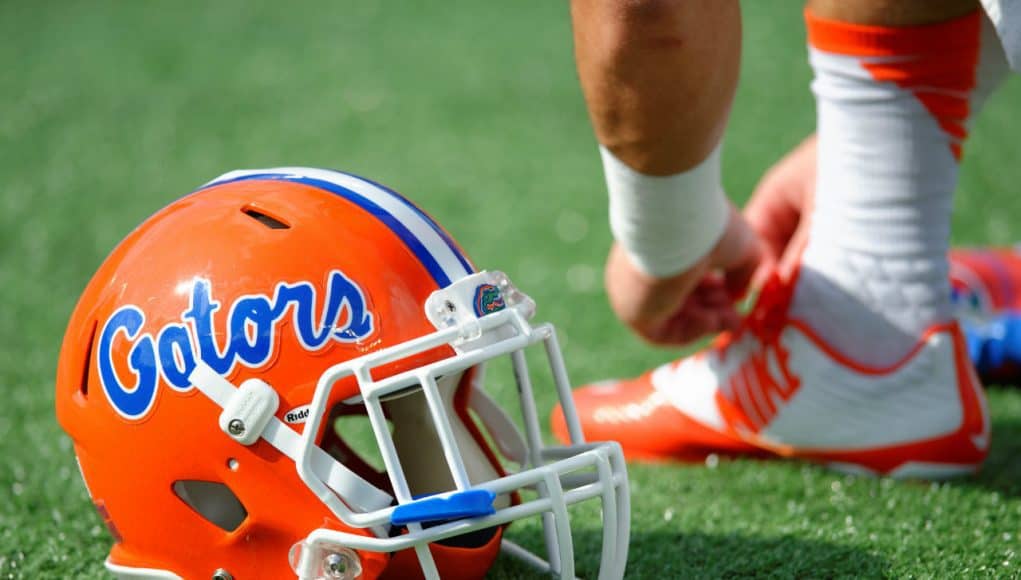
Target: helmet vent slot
{"type": "Point", "coordinates": [213, 501]}
{"type": "Point", "coordinates": [265, 219]}
{"type": "Point", "coordinates": [83, 386]}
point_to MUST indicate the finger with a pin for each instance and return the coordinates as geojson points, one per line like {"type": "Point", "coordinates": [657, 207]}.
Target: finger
{"type": "Point", "coordinates": [712, 297]}
{"type": "Point", "coordinates": [764, 271]}
{"type": "Point", "coordinates": [697, 321]}
{"type": "Point", "coordinates": [711, 290]}
{"type": "Point", "coordinates": [783, 196]}
{"type": "Point", "coordinates": [739, 277]}
{"type": "Point", "coordinates": [707, 323]}
{"type": "Point", "coordinates": [730, 319]}
{"type": "Point", "coordinates": [692, 327]}
{"type": "Point", "coordinates": [792, 255]}
{"type": "Point", "coordinates": [774, 208]}
{"type": "Point", "coordinates": [774, 217]}
{"type": "Point", "coordinates": [680, 329]}
{"type": "Point", "coordinates": [740, 253]}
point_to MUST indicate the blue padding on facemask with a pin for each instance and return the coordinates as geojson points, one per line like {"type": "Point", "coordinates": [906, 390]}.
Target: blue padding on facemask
{"type": "Point", "coordinates": [463, 504]}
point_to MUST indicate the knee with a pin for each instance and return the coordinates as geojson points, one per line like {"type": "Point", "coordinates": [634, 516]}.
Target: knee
{"type": "Point", "coordinates": [666, 19]}
{"type": "Point", "coordinates": [649, 12]}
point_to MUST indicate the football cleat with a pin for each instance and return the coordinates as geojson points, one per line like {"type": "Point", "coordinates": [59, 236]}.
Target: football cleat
{"type": "Point", "coordinates": [212, 366]}
{"type": "Point", "coordinates": [986, 281]}
{"type": "Point", "coordinates": [986, 295]}
{"type": "Point", "coordinates": [775, 387]}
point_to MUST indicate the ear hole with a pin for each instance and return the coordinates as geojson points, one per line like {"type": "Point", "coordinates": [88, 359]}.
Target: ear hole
{"type": "Point", "coordinates": [213, 501]}
{"type": "Point", "coordinates": [83, 386]}
{"type": "Point", "coordinates": [265, 219]}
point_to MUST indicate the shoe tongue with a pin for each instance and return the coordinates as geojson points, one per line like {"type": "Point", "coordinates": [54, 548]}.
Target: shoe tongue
{"type": "Point", "coordinates": [768, 316]}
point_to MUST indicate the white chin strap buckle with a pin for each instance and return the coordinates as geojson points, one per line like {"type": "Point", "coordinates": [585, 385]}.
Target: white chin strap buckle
{"type": "Point", "coordinates": [248, 411]}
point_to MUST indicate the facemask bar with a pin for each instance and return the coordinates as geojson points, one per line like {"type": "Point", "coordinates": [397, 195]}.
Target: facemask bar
{"type": "Point", "coordinates": [612, 492]}
{"type": "Point", "coordinates": [505, 332]}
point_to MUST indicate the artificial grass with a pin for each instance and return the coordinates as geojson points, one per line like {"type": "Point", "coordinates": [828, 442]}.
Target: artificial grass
{"type": "Point", "coordinates": [110, 110]}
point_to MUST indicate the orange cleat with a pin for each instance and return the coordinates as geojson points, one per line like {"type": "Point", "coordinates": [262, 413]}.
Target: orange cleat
{"type": "Point", "coordinates": [775, 387]}
{"type": "Point", "coordinates": [645, 423]}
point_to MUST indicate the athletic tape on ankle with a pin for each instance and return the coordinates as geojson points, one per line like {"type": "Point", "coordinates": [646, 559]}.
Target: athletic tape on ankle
{"type": "Point", "coordinates": [666, 224]}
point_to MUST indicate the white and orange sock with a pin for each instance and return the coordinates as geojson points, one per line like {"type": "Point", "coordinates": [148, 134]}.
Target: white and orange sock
{"type": "Point", "coordinates": [893, 106]}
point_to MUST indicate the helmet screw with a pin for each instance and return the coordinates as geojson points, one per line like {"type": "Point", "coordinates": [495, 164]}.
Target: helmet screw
{"type": "Point", "coordinates": [336, 565]}
{"type": "Point", "coordinates": [222, 574]}
{"type": "Point", "coordinates": [236, 426]}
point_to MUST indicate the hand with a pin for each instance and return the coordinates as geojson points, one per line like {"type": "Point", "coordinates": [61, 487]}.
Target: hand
{"type": "Point", "coordinates": [779, 204]}
{"type": "Point", "coordinates": [692, 304]}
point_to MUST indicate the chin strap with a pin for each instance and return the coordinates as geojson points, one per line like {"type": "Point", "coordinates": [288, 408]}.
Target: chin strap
{"type": "Point", "coordinates": [356, 492]}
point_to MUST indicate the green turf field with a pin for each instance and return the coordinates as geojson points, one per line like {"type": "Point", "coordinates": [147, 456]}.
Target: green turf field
{"type": "Point", "coordinates": [109, 110]}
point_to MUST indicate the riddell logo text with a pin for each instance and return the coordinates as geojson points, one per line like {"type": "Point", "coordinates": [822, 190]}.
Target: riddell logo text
{"type": "Point", "coordinates": [297, 415]}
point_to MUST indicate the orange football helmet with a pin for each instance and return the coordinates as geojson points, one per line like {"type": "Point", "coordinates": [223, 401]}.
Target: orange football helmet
{"type": "Point", "coordinates": [210, 364]}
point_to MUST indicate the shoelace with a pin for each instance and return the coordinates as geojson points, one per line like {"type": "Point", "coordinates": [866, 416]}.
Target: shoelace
{"type": "Point", "coordinates": [769, 315]}
{"type": "Point", "coordinates": [752, 386]}
{"type": "Point", "coordinates": [766, 318]}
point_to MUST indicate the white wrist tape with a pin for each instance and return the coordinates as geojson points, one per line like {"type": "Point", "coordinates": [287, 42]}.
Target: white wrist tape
{"type": "Point", "coordinates": [668, 223]}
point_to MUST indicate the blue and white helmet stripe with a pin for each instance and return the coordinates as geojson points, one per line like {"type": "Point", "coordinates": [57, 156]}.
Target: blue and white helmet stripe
{"type": "Point", "coordinates": [423, 236]}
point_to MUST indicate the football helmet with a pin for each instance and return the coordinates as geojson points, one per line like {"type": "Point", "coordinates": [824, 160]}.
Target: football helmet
{"type": "Point", "coordinates": [213, 361]}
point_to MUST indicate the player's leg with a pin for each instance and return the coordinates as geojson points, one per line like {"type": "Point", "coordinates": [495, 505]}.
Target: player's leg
{"type": "Point", "coordinates": [659, 78]}
{"type": "Point", "coordinates": [852, 360]}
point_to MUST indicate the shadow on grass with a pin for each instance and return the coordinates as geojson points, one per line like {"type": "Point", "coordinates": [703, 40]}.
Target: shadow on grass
{"type": "Point", "coordinates": [668, 554]}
